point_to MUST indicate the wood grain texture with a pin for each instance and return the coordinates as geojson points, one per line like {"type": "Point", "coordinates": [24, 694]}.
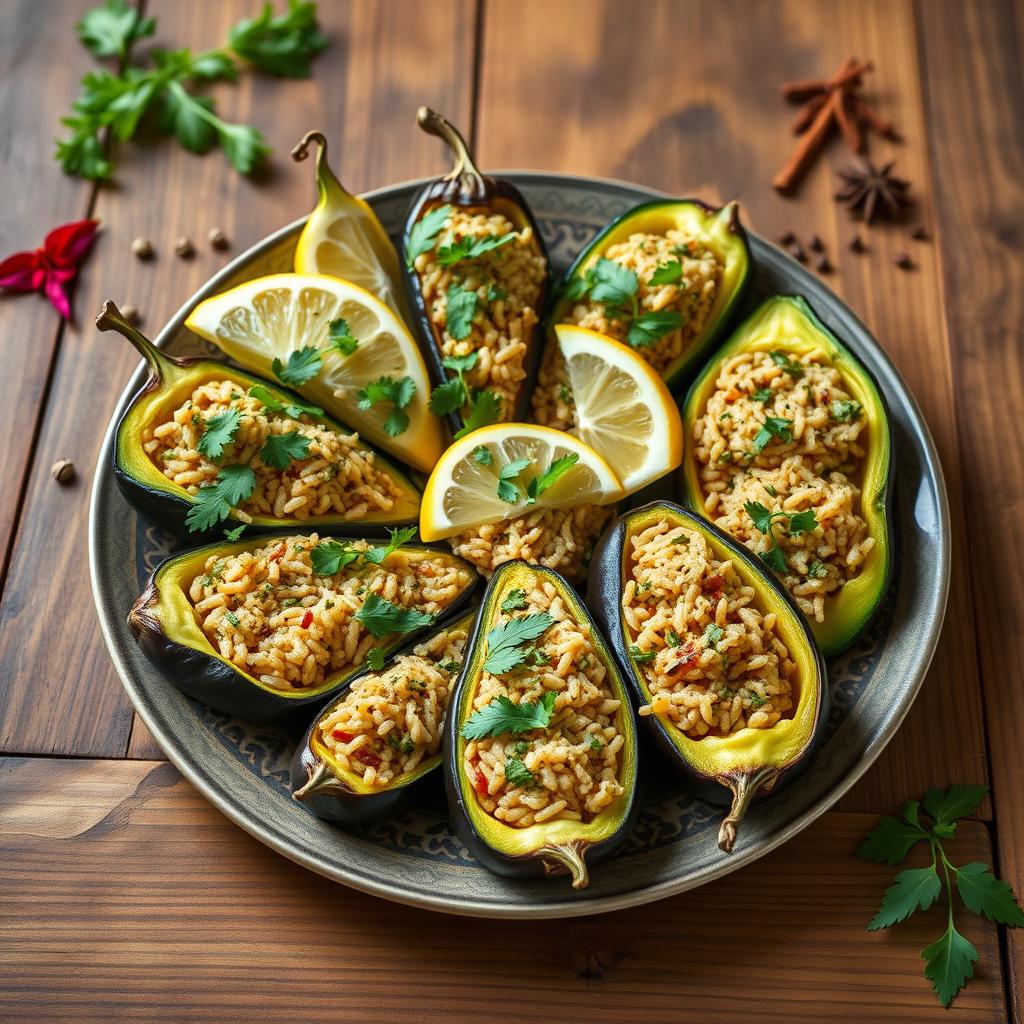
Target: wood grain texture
{"type": "Point", "coordinates": [383, 62]}
{"type": "Point", "coordinates": [127, 897]}
{"type": "Point", "coordinates": [582, 98]}
{"type": "Point", "coordinates": [976, 113]}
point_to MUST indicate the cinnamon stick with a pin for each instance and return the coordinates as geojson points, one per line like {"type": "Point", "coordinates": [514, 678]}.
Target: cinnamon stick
{"type": "Point", "coordinates": [807, 146]}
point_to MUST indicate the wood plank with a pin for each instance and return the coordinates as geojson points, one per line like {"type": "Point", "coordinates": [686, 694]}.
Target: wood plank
{"type": "Point", "coordinates": [587, 102]}
{"type": "Point", "coordinates": [975, 93]}
{"type": "Point", "coordinates": [100, 920]}
{"type": "Point", "coordinates": [35, 91]}
{"type": "Point", "coordinates": [381, 65]}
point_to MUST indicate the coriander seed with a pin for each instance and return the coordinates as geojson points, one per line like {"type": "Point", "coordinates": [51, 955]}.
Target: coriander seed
{"type": "Point", "coordinates": [184, 247]}
{"type": "Point", "coordinates": [217, 238]}
{"type": "Point", "coordinates": [63, 471]}
{"type": "Point", "coordinates": [142, 248]}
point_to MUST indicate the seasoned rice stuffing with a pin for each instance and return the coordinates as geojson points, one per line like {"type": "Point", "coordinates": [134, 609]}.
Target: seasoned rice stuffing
{"type": "Point", "coordinates": [713, 660]}
{"type": "Point", "coordinates": [267, 612]}
{"type": "Point", "coordinates": [389, 721]}
{"type": "Point", "coordinates": [569, 770]}
{"type": "Point", "coordinates": [507, 283]}
{"type": "Point", "coordinates": [336, 476]}
{"type": "Point", "coordinates": [557, 538]}
{"type": "Point", "coordinates": [692, 297]}
{"type": "Point", "coordinates": [809, 461]}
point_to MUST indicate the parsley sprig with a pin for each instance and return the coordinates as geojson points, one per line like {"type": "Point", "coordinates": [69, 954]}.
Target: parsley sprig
{"type": "Point", "coordinates": [331, 556]}
{"type": "Point", "coordinates": [764, 519]}
{"type": "Point", "coordinates": [502, 715]}
{"type": "Point", "coordinates": [290, 407]}
{"type": "Point", "coordinates": [949, 961]}
{"type": "Point", "coordinates": [773, 426]}
{"type": "Point", "coordinates": [423, 235]}
{"type": "Point", "coordinates": [341, 338]}
{"type": "Point", "coordinates": [506, 642]}
{"type": "Point", "coordinates": [218, 432]}
{"type": "Point", "coordinates": [399, 392]}
{"type": "Point", "coordinates": [471, 248]}
{"type": "Point", "coordinates": [214, 502]}
{"type": "Point", "coordinates": [382, 618]}
{"type": "Point", "coordinates": [302, 366]}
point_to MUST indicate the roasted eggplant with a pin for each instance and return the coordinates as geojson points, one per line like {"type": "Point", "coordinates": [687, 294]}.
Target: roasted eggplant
{"type": "Point", "coordinates": [721, 768]}
{"type": "Point", "coordinates": [785, 326]}
{"type": "Point", "coordinates": [168, 630]}
{"type": "Point", "coordinates": [332, 790]}
{"type": "Point", "coordinates": [505, 295]}
{"type": "Point", "coordinates": [550, 846]}
{"type": "Point", "coordinates": [171, 382]}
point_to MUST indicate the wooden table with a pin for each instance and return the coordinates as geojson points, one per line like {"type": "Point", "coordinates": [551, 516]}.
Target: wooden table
{"type": "Point", "coordinates": [123, 895]}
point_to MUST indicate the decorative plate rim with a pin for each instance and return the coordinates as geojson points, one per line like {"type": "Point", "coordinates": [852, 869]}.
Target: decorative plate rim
{"type": "Point", "coordinates": [269, 835]}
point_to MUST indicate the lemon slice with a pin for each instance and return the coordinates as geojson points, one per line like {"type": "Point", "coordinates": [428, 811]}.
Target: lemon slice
{"type": "Point", "coordinates": [344, 238]}
{"type": "Point", "coordinates": [462, 492]}
{"type": "Point", "coordinates": [623, 409]}
{"type": "Point", "coordinates": [272, 317]}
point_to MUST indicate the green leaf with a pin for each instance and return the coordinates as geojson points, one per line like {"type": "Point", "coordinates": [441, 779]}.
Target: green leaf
{"type": "Point", "coordinates": [817, 570]}
{"type": "Point", "coordinates": [596, 743]}
{"type": "Point", "coordinates": [495, 293]}
{"type": "Point", "coordinates": [773, 426]}
{"type": "Point", "coordinates": [649, 327]}
{"type": "Point", "coordinates": [641, 657]}
{"type": "Point", "coordinates": [558, 468]}
{"type": "Point", "coordinates": [461, 363]}
{"type": "Point", "coordinates": [282, 45]}
{"type": "Point", "coordinates": [505, 641]}
{"type": "Point", "coordinates": [341, 338]}
{"type": "Point", "coordinates": [802, 522]}
{"type": "Point", "coordinates": [517, 774]}
{"type": "Point", "coordinates": [845, 411]}
{"type": "Point", "coordinates": [985, 894]}
{"type": "Point", "coordinates": [484, 409]}
{"type": "Point", "coordinates": [280, 450]}
{"type": "Point", "coordinates": [775, 558]}
{"type": "Point", "coordinates": [760, 516]}
{"type": "Point", "coordinates": [890, 841]}
{"type": "Point", "coordinates": [215, 501]}
{"type": "Point", "coordinates": [514, 601]}
{"type": "Point", "coordinates": [462, 305]}
{"type": "Point", "coordinates": [382, 618]}
{"type": "Point", "coordinates": [398, 392]}
{"type": "Point", "coordinates": [791, 366]}
{"type": "Point", "coordinates": [955, 803]}
{"type": "Point", "coordinates": [331, 556]}
{"type": "Point", "coordinates": [290, 407]}
{"type": "Point", "coordinates": [470, 248]}
{"type": "Point", "coordinates": [244, 147]}
{"type": "Point", "coordinates": [236, 533]}
{"type": "Point", "coordinates": [302, 366]}
{"type": "Point", "coordinates": [501, 716]}
{"type": "Point", "coordinates": [576, 288]}
{"type": "Point", "coordinates": [448, 397]}
{"type": "Point", "coordinates": [612, 283]}
{"type": "Point", "coordinates": [668, 273]}
{"type": "Point", "coordinates": [712, 635]}
{"type": "Point", "coordinates": [110, 30]}
{"type": "Point", "coordinates": [375, 658]}
{"type": "Point", "coordinates": [424, 232]}
{"type": "Point", "coordinates": [950, 962]}
{"type": "Point", "coordinates": [912, 889]}
{"type": "Point", "coordinates": [188, 118]}
{"type": "Point", "coordinates": [763, 395]}
{"type": "Point", "coordinates": [81, 153]}
{"type": "Point", "coordinates": [507, 490]}
{"type": "Point", "coordinates": [482, 455]}
{"type": "Point", "coordinates": [396, 538]}
{"type": "Point", "coordinates": [218, 432]}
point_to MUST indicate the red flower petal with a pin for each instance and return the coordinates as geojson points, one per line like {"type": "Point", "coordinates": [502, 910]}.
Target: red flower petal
{"type": "Point", "coordinates": [58, 296]}
{"type": "Point", "coordinates": [16, 272]}
{"type": "Point", "coordinates": [69, 243]}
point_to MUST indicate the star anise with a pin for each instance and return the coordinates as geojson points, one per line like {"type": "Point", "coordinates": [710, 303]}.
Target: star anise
{"type": "Point", "coordinates": [872, 190]}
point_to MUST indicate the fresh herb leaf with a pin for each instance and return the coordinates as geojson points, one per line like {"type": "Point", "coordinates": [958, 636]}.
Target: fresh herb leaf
{"type": "Point", "coordinates": [507, 490]}
{"type": "Point", "coordinates": [986, 895]}
{"type": "Point", "coordinates": [111, 30]}
{"type": "Point", "coordinates": [817, 570]}
{"type": "Point", "coordinates": [949, 963]}
{"type": "Point", "coordinates": [517, 774]}
{"type": "Point", "coordinates": [469, 248]}
{"type": "Point", "coordinates": [482, 455]}
{"type": "Point", "coordinates": [375, 658]}
{"type": "Point", "coordinates": [484, 409]}
{"type": "Point", "coordinates": [495, 293]}
{"type": "Point", "coordinates": [612, 284]}
{"type": "Point", "coordinates": [448, 397]}
{"type": "Point", "coordinates": [462, 305]}
{"type": "Point", "coordinates": [577, 287]}
{"type": "Point", "coordinates": [382, 618]}
{"type": "Point", "coordinates": [647, 328]}
{"type": "Point", "coordinates": [773, 426]}
{"type": "Point", "coordinates": [595, 743]}
{"type": "Point", "coordinates": [712, 635]}
{"type": "Point", "coordinates": [282, 44]}
{"type": "Point", "coordinates": [461, 363]}
{"type": "Point", "coordinates": [802, 522]}
{"type": "Point", "coordinates": [502, 715]}
{"type": "Point", "coordinates": [558, 468]}
{"type": "Point", "coordinates": [398, 392]}
{"type": "Point", "coordinates": [215, 501]}
{"type": "Point", "coordinates": [302, 366]}
{"type": "Point", "coordinates": [280, 450]}
{"type": "Point", "coordinates": [331, 556]}
{"type": "Point", "coordinates": [681, 538]}
{"type": "Point", "coordinates": [763, 395]}
{"type": "Point", "coordinates": [791, 366]}
{"type": "Point", "coordinates": [641, 657]}
{"type": "Point", "coordinates": [846, 410]}
{"type": "Point", "coordinates": [341, 338]}
{"type": "Point", "coordinates": [219, 432]}
{"type": "Point", "coordinates": [289, 407]}
{"type": "Point", "coordinates": [396, 538]}
{"type": "Point", "coordinates": [955, 803]}
{"type": "Point", "coordinates": [913, 889]}
{"type": "Point", "coordinates": [423, 234]}
{"type": "Point", "coordinates": [668, 273]}
{"type": "Point", "coordinates": [236, 533]}
{"type": "Point", "coordinates": [775, 558]}
{"type": "Point", "coordinates": [514, 601]}
{"type": "Point", "coordinates": [232, 618]}
{"type": "Point", "coordinates": [771, 490]}
{"type": "Point", "coordinates": [760, 516]}
{"type": "Point", "coordinates": [505, 641]}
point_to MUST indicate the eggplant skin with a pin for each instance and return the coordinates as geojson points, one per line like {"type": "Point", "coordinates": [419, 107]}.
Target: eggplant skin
{"type": "Point", "coordinates": [604, 591]}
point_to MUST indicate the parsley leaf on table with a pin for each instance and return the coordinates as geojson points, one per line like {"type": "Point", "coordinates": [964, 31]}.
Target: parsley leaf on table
{"type": "Point", "coordinates": [382, 618]}
{"type": "Point", "coordinates": [423, 234]}
{"type": "Point", "coordinates": [558, 468]}
{"type": "Point", "coordinates": [218, 432]}
{"type": "Point", "coordinates": [398, 392]}
{"type": "Point", "coordinates": [484, 408]}
{"type": "Point", "coordinates": [331, 556]}
{"type": "Point", "coordinates": [279, 450]}
{"type": "Point", "coordinates": [282, 44]}
{"type": "Point", "coordinates": [396, 538]}
{"type": "Point", "coordinates": [290, 407]}
{"type": "Point", "coordinates": [302, 366]}
{"type": "Point", "coordinates": [502, 715]}
{"type": "Point", "coordinates": [110, 30]}
{"type": "Point", "coordinates": [215, 501]}
{"type": "Point", "coordinates": [341, 338]}
{"type": "Point", "coordinates": [505, 642]}
{"type": "Point", "coordinates": [507, 489]}
{"type": "Point", "coordinates": [913, 889]}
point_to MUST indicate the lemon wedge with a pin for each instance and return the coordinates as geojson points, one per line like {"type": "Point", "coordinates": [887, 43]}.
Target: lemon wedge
{"type": "Point", "coordinates": [623, 409]}
{"type": "Point", "coordinates": [466, 487]}
{"type": "Point", "coordinates": [344, 238]}
{"type": "Point", "coordinates": [270, 318]}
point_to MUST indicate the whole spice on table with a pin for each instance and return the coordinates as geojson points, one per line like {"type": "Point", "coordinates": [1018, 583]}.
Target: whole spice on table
{"type": "Point", "coordinates": [143, 248]}
{"type": "Point", "coordinates": [857, 244]}
{"type": "Point", "coordinates": [217, 238]}
{"type": "Point", "coordinates": [949, 961]}
{"type": "Point", "coordinates": [63, 471]}
{"type": "Point", "coordinates": [828, 104]}
{"type": "Point", "coordinates": [903, 261]}
{"type": "Point", "coordinates": [184, 247]}
{"type": "Point", "coordinates": [871, 190]}
{"type": "Point", "coordinates": [920, 233]}
{"type": "Point", "coordinates": [52, 267]}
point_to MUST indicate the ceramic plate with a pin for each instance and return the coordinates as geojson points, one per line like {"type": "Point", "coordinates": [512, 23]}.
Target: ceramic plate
{"type": "Point", "coordinates": [416, 859]}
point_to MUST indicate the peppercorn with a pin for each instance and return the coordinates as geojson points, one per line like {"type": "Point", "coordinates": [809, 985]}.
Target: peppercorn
{"type": "Point", "coordinates": [184, 247]}
{"type": "Point", "coordinates": [857, 244]}
{"type": "Point", "coordinates": [217, 238]}
{"type": "Point", "coordinates": [822, 265]}
{"type": "Point", "coordinates": [142, 248]}
{"type": "Point", "coordinates": [903, 261]}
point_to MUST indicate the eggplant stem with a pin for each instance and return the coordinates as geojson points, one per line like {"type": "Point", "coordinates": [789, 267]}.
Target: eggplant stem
{"type": "Point", "coordinates": [319, 780]}
{"type": "Point", "coordinates": [744, 786]}
{"type": "Point", "coordinates": [570, 857]}
{"type": "Point", "coordinates": [325, 177]}
{"type": "Point", "coordinates": [111, 319]}
{"type": "Point", "coordinates": [434, 123]}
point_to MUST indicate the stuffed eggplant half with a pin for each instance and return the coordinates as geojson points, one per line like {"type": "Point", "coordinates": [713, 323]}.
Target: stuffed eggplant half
{"type": "Point", "coordinates": [541, 751]}
{"type": "Point", "coordinates": [262, 627]}
{"type": "Point", "coordinates": [663, 278]}
{"type": "Point", "coordinates": [723, 666]}
{"type": "Point", "coordinates": [203, 442]}
{"type": "Point", "coordinates": [476, 272]}
{"type": "Point", "coordinates": [790, 454]}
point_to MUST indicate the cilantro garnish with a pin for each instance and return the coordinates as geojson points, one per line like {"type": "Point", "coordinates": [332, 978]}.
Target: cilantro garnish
{"type": "Point", "coordinates": [219, 431]}
{"type": "Point", "coordinates": [302, 366]}
{"type": "Point", "coordinates": [375, 658]}
{"type": "Point", "coordinates": [773, 426]}
{"type": "Point", "coordinates": [843, 411]}
{"type": "Point", "coordinates": [817, 569]}
{"type": "Point", "coordinates": [482, 455]}
{"type": "Point", "coordinates": [783, 360]}
{"type": "Point", "coordinates": [382, 618]}
{"type": "Point", "coordinates": [469, 248]}
{"type": "Point", "coordinates": [462, 305]}
{"type": "Point", "coordinates": [424, 232]}
{"type": "Point", "coordinates": [515, 600]}
{"type": "Point", "coordinates": [279, 450]}
{"type": "Point", "coordinates": [613, 284]}
{"type": "Point", "coordinates": [641, 657]}
{"type": "Point", "coordinates": [682, 538]}
{"type": "Point", "coordinates": [949, 961]}
{"type": "Point", "coordinates": [341, 338]}
{"type": "Point", "coordinates": [289, 407]}
{"type": "Point", "coordinates": [505, 642]}
{"type": "Point", "coordinates": [484, 408]}
{"type": "Point", "coordinates": [501, 716]}
{"type": "Point", "coordinates": [516, 773]}
{"type": "Point", "coordinates": [110, 30]}
{"type": "Point", "coordinates": [763, 518]}
{"type": "Point", "coordinates": [396, 538]}
{"type": "Point", "coordinates": [802, 522]}
{"type": "Point", "coordinates": [454, 393]}
{"type": "Point", "coordinates": [495, 293]}
{"type": "Point", "coordinates": [763, 395]}
{"type": "Point", "coordinates": [712, 635]}
{"type": "Point", "coordinates": [647, 328]}
{"type": "Point", "coordinates": [668, 273]}
{"type": "Point", "coordinates": [215, 501]}
{"type": "Point", "coordinates": [507, 490]}
{"type": "Point", "coordinates": [398, 392]}
{"type": "Point", "coordinates": [233, 535]}
{"type": "Point", "coordinates": [331, 556]}
{"type": "Point", "coordinates": [558, 468]}
{"type": "Point", "coordinates": [596, 743]}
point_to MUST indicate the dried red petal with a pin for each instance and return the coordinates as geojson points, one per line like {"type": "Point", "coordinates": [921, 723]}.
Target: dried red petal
{"type": "Point", "coordinates": [307, 620]}
{"type": "Point", "coordinates": [67, 245]}
{"type": "Point", "coordinates": [57, 295]}
{"type": "Point", "coordinates": [19, 272]}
